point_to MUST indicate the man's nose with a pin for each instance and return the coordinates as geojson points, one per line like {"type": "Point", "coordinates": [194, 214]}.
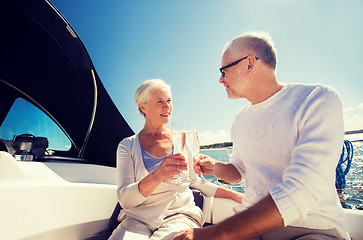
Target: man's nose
{"type": "Point", "coordinates": [221, 79]}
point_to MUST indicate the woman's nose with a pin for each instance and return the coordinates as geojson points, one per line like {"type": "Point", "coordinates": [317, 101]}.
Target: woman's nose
{"type": "Point", "coordinates": [167, 105]}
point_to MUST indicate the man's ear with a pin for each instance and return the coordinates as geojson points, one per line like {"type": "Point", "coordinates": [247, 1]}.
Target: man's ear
{"type": "Point", "coordinates": [251, 62]}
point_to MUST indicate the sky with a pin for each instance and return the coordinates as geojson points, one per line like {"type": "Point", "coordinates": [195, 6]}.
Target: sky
{"type": "Point", "coordinates": [181, 42]}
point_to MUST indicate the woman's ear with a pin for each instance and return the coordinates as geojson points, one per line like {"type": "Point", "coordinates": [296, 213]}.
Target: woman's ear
{"type": "Point", "coordinates": [141, 107]}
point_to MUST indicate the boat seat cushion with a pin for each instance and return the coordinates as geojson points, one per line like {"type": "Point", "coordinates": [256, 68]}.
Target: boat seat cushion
{"type": "Point", "coordinates": [113, 223]}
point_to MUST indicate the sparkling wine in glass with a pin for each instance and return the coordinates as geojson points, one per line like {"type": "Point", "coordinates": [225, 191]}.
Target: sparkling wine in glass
{"type": "Point", "coordinates": [193, 144]}
{"type": "Point", "coordinates": [179, 144]}
{"type": "Point", "coordinates": [229, 151]}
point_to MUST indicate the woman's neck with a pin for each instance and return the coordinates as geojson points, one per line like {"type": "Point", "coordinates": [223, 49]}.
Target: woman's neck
{"type": "Point", "coordinates": [154, 130]}
{"type": "Point", "coordinates": [156, 140]}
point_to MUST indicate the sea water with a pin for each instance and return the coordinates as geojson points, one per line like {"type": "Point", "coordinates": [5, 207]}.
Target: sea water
{"type": "Point", "coordinates": [353, 192]}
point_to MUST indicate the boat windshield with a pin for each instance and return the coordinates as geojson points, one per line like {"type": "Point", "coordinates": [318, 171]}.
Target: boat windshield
{"type": "Point", "coordinates": [25, 118]}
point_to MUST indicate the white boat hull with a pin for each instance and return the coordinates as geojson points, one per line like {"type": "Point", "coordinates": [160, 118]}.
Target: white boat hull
{"type": "Point", "coordinates": [37, 203]}
{"type": "Point", "coordinates": [74, 201]}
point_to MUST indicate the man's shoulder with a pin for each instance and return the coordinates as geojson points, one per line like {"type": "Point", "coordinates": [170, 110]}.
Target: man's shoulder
{"type": "Point", "coordinates": [310, 95]}
{"type": "Point", "coordinates": [311, 88]}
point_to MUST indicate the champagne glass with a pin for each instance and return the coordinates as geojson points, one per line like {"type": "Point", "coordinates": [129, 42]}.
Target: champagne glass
{"type": "Point", "coordinates": [229, 151]}
{"type": "Point", "coordinates": [194, 146]}
{"type": "Point", "coordinates": [179, 144]}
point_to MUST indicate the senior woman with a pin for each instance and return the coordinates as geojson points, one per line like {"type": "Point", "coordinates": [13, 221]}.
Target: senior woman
{"type": "Point", "coordinates": [153, 208]}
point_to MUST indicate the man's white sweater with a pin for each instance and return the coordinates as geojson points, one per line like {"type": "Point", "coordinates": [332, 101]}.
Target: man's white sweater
{"type": "Point", "coordinates": [288, 146]}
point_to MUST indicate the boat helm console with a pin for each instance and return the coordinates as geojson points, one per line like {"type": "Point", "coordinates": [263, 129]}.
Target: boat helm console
{"type": "Point", "coordinates": [27, 147]}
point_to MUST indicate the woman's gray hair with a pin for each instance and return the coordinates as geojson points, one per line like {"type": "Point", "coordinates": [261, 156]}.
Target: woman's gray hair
{"type": "Point", "coordinates": [259, 44]}
{"type": "Point", "coordinates": [142, 93]}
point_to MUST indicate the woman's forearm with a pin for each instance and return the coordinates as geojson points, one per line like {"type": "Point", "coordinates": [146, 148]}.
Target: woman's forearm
{"type": "Point", "coordinates": [228, 193]}
{"type": "Point", "coordinates": [148, 184]}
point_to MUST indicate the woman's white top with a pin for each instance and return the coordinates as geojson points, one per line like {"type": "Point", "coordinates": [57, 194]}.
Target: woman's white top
{"type": "Point", "coordinates": [168, 199]}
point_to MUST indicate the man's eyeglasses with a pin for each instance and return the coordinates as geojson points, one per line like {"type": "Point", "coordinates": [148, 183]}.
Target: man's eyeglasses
{"type": "Point", "coordinates": [232, 64]}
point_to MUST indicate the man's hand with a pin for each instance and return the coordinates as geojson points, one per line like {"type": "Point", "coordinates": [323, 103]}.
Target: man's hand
{"type": "Point", "coordinates": [204, 164]}
{"type": "Point", "coordinates": [204, 233]}
{"type": "Point", "coordinates": [187, 234]}
{"type": "Point", "coordinates": [222, 170]}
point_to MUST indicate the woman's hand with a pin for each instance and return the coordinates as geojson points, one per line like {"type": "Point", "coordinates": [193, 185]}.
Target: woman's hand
{"type": "Point", "coordinates": [238, 197]}
{"type": "Point", "coordinates": [171, 165]}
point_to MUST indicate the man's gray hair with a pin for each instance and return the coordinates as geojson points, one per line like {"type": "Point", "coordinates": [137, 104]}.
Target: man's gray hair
{"type": "Point", "coordinates": [259, 44]}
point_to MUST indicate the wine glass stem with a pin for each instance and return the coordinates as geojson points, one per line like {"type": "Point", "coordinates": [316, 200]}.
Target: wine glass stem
{"type": "Point", "coordinates": [201, 173]}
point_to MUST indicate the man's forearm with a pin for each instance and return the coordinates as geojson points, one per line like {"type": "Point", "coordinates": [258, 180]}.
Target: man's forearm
{"type": "Point", "coordinates": [258, 219]}
{"type": "Point", "coordinates": [261, 218]}
{"type": "Point", "coordinates": [227, 172]}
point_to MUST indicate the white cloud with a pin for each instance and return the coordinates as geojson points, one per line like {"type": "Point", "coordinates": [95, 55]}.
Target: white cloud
{"type": "Point", "coordinates": [358, 107]}
{"type": "Point", "coordinates": [208, 137]}
{"type": "Point", "coordinates": [348, 110]}
{"type": "Point", "coordinates": [353, 122]}
{"type": "Point", "coordinates": [353, 117]}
